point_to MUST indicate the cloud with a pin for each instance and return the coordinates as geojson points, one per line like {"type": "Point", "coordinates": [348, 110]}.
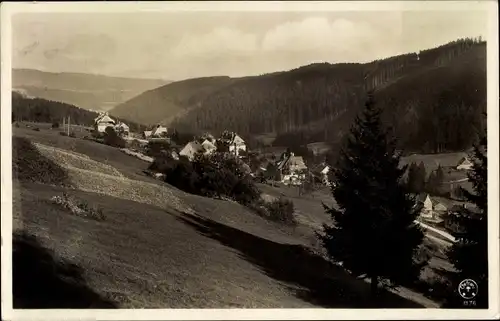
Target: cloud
{"type": "Point", "coordinates": [318, 33]}
{"type": "Point", "coordinates": [218, 41]}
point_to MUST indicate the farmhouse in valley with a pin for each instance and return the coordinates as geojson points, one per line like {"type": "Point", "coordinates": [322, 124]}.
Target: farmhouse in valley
{"type": "Point", "coordinates": [102, 122]}
{"type": "Point", "coordinates": [291, 168]}
{"type": "Point", "coordinates": [464, 164]}
{"type": "Point", "coordinates": [324, 175]}
{"type": "Point", "coordinates": [191, 149]}
{"type": "Point", "coordinates": [208, 146]}
{"type": "Point", "coordinates": [146, 134]}
{"type": "Point", "coordinates": [234, 143]}
{"type": "Point", "coordinates": [432, 209]}
{"type": "Point", "coordinates": [122, 129]}
{"type": "Point", "coordinates": [159, 131]}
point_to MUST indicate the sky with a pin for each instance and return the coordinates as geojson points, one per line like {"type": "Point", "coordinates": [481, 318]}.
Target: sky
{"type": "Point", "coordinates": [176, 46]}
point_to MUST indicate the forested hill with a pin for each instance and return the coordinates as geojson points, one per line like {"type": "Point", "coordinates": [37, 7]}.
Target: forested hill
{"type": "Point", "coordinates": [46, 111]}
{"type": "Point", "coordinates": [433, 98]}
{"type": "Point", "coordinates": [161, 105]}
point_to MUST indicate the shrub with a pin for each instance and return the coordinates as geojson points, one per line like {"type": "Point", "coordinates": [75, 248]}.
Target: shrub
{"type": "Point", "coordinates": [212, 176]}
{"type": "Point", "coordinates": [63, 133]}
{"type": "Point", "coordinates": [281, 210]}
{"type": "Point", "coordinates": [79, 208]}
{"type": "Point", "coordinates": [157, 148]}
{"type": "Point", "coordinates": [183, 176]}
{"type": "Point", "coordinates": [55, 125]}
{"type": "Point", "coordinates": [36, 129]}
{"type": "Point", "coordinates": [163, 163]}
{"type": "Point", "coordinates": [111, 138]}
{"type": "Point", "coordinates": [16, 125]}
{"type": "Point", "coordinates": [72, 134]}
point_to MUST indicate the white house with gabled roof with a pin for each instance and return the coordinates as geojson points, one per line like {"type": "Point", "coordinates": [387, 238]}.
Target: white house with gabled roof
{"type": "Point", "coordinates": [464, 164]}
{"type": "Point", "coordinates": [103, 121]}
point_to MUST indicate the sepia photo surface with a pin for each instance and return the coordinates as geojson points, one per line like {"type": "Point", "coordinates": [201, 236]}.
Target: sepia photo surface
{"type": "Point", "coordinates": [240, 156]}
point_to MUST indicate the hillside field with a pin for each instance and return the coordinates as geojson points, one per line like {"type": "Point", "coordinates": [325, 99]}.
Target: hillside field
{"type": "Point", "coordinates": [159, 247]}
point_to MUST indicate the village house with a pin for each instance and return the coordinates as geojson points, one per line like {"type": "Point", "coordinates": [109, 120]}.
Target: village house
{"type": "Point", "coordinates": [432, 209]}
{"type": "Point", "coordinates": [122, 129]}
{"type": "Point", "coordinates": [146, 134]}
{"type": "Point", "coordinates": [209, 147]}
{"type": "Point", "coordinates": [325, 175]}
{"type": "Point", "coordinates": [291, 168]}
{"type": "Point", "coordinates": [191, 149]}
{"type": "Point", "coordinates": [102, 122]}
{"type": "Point", "coordinates": [234, 142]}
{"type": "Point", "coordinates": [159, 131]}
{"type": "Point", "coordinates": [464, 164]}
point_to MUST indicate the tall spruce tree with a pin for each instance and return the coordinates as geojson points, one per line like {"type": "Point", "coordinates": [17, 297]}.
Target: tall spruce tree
{"type": "Point", "coordinates": [413, 178]}
{"type": "Point", "coordinates": [421, 177]}
{"type": "Point", "coordinates": [374, 230]}
{"type": "Point", "coordinates": [469, 254]}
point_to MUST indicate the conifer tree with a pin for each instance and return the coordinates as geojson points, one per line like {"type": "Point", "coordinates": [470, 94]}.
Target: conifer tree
{"type": "Point", "coordinates": [412, 178]}
{"type": "Point", "coordinates": [374, 231]}
{"type": "Point", "coordinates": [469, 254]}
{"type": "Point", "coordinates": [421, 177]}
{"type": "Point", "coordinates": [435, 182]}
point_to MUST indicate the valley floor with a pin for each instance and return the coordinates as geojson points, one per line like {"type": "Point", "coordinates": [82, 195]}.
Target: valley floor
{"type": "Point", "coordinates": [162, 248]}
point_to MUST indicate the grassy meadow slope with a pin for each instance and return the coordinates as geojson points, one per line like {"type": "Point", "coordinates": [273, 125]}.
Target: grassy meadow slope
{"type": "Point", "coordinates": [157, 247]}
{"type": "Point", "coordinates": [88, 91]}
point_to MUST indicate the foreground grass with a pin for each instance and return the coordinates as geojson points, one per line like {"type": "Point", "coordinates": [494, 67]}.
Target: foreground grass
{"type": "Point", "coordinates": [147, 257]}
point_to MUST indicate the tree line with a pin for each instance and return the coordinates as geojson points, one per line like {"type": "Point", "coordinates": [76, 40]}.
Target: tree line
{"type": "Point", "coordinates": [433, 99]}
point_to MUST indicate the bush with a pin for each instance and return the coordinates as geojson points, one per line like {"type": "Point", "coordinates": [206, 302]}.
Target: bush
{"type": "Point", "coordinates": [55, 125]}
{"type": "Point", "coordinates": [281, 210]}
{"type": "Point", "coordinates": [163, 163]}
{"type": "Point", "coordinates": [111, 138]}
{"type": "Point", "coordinates": [182, 175]}
{"type": "Point", "coordinates": [63, 133]}
{"type": "Point", "coordinates": [36, 129]}
{"type": "Point", "coordinates": [157, 148]}
{"type": "Point", "coordinates": [78, 207]}
{"type": "Point", "coordinates": [72, 134]}
{"type": "Point", "coordinates": [16, 125]}
{"type": "Point", "coordinates": [212, 176]}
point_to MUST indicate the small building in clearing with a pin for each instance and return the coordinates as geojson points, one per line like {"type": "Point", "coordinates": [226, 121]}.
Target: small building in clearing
{"type": "Point", "coordinates": [234, 142]}
{"type": "Point", "coordinates": [146, 134]}
{"type": "Point", "coordinates": [464, 164]}
{"type": "Point", "coordinates": [432, 209]}
{"type": "Point", "coordinates": [289, 164]}
{"type": "Point", "coordinates": [122, 129]}
{"type": "Point", "coordinates": [325, 175]}
{"type": "Point", "coordinates": [191, 149]}
{"type": "Point", "coordinates": [208, 146]}
{"type": "Point", "coordinates": [159, 131]}
{"type": "Point", "coordinates": [102, 122]}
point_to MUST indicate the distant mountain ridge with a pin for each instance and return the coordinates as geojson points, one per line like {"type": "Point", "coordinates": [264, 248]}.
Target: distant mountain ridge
{"type": "Point", "coordinates": [427, 96]}
{"type": "Point", "coordinates": [89, 91]}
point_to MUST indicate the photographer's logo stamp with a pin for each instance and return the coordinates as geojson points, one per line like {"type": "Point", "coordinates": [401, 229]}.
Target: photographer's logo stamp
{"type": "Point", "coordinates": [468, 289]}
